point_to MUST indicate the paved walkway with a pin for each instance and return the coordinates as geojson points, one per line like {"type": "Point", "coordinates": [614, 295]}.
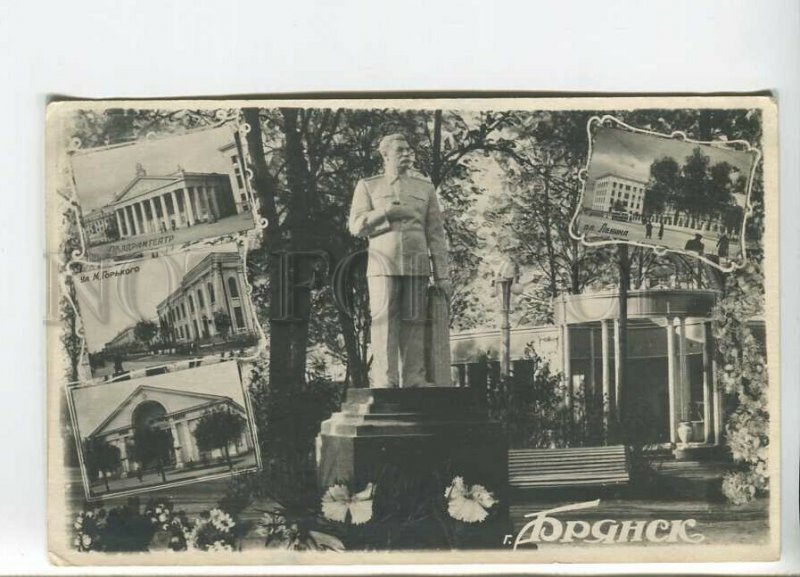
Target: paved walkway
{"type": "Point", "coordinates": [674, 238]}
{"type": "Point", "coordinates": [153, 479]}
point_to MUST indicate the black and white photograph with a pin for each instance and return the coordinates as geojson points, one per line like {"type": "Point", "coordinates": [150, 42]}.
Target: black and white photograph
{"type": "Point", "coordinates": [151, 432]}
{"type": "Point", "coordinates": [168, 188]}
{"type": "Point", "coordinates": [447, 367]}
{"type": "Point", "coordinates": [165, 314]}
{"type": "Point", "coordinates": [667, 191]}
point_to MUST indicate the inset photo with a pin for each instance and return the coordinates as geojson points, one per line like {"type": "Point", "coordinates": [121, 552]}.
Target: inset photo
{"type": "Point", "coordinates": [166, 314]}
{"type": "Point", "coordinates": [658, 190]}
{"type": "Point", "coordinates": [162, 192]}
{"type": "Point", "coordinates": [167, 429]}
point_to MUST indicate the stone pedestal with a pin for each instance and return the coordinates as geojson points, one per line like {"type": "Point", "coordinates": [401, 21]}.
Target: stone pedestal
{"type": "Point", "coordinates": [411, 443]}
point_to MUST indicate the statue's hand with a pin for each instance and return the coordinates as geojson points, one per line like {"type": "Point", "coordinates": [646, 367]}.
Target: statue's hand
{"type": "Point", "coordinates": [398, 212]}
{"type": "Point", "coordinates": [445, 286]}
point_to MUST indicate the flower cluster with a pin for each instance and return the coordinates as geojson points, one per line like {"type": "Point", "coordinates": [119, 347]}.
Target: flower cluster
{"type": "Point", "coordinates": [88, 527]}
{"type": "Point", "coordinates": [744, 376]}
{"type": "Point", "coordinates": [739, 487]}
{"type": "Point", "coordinates": [164, 517]}
{"type": "Point", "coordinates": [469, 505]}
{"type": "Point", "coordinates": [212, 531]}
{"type": "Point", "coordinates": [340, 506]}
{"type": "Point", "coordinates": [125, 528]}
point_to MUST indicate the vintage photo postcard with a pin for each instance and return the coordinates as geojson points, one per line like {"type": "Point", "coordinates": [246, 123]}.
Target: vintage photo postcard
{"type": "Point", "coordinates": [523, 330]}
{"type": "Point", "coordinates": [158, 315]}
{"type": "Point", "coordinates": [164, 187]}
{"type": "Point", "coordinates": [663, 190]}
{"type": "Point", "coordinates": [151, 432]}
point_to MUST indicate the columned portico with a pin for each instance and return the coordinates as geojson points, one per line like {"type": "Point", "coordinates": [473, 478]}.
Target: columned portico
{"type": "Point", "coordinates": [132, 216]}
{"type": "Point", "coordinates": [175, 209]}
{"type": "Point", "coordinates": [120, 227]}
{"type": "Point", "coordinates": [606, 367]}
{"type": "Point", "coordinates": [187, 205]}
{"type": "Point", "coordinates": [690, 395]}
{"type": "Point", "coordinates": [673, 394]}
{"type": "Point", "coordinates": [194, 198]}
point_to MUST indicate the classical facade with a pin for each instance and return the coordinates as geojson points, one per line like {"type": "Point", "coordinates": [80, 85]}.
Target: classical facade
{"type": "Point", "coordinates": [670, 368]}
{"type": "Point", "coordinates": [611, 190]}
{"type": "Point", "coordinates": [176, 411]}
{"type": "Point", "coordinates": [154, 204]}
{"type": "Point", "coordinates": [214, 285]}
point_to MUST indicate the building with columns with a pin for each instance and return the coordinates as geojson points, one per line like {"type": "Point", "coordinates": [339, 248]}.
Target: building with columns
{"type": "Point", "coordinates": [173, 410]}
{"type": "Point", "coordinates": [669, 370]}
{"type": "Point", "coordinates": [214, 285]}
{"type": "Point", "coordinates": [156, 204]}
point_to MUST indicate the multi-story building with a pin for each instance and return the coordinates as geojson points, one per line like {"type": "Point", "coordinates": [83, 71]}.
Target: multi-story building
{"type": "Point", "coordinates": [215, 285]}
{"type": "Point", "coordinates": [619, 193]}
{"type": "Point", "coordinates": [152, 204]}
{"type": "Point", "coordinates": [100, 226]}
{"type": "Point", "coordinates": [237, 175]}
{"type": "Point", "coordinates": [123, 341]}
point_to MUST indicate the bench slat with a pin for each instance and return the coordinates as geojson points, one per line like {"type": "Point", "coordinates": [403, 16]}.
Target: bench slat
{"type": "Point", "coordinates": [579, 466]}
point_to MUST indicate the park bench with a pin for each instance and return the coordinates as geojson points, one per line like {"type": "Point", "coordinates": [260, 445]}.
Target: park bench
{"type": "Point", "coordinates": [570, 467]}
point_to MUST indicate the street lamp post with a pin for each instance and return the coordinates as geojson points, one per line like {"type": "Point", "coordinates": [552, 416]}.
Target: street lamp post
{"type": "Point", "coordinates": [504, 278]}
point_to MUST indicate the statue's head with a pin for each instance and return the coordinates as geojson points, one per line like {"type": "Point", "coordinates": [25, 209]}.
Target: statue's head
{"type": "Point", "coordinates": [396, 152]}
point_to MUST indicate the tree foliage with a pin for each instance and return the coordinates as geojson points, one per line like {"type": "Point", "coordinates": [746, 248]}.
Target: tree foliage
{"type": "Point", "coordinates": [217, 430]}
{"type": "Point", "coordinates": [145, 332]}
{"type": "Point", "coordinates": [696, 187]}
{"type": "Point", "coordinates": [222, 323]}
{"type": "Point", "coordinates": [101, 457]}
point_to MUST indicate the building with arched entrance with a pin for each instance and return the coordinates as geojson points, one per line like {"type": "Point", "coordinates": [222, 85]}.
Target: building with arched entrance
{"type": "Point", "coordinates": [145, 432]}
{"type": "Point", "coordinates": [176, 413]}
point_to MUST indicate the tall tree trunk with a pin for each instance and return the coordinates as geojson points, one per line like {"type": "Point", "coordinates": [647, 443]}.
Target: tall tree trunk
{"type": "Point", "coordinates": [436, 153]}
{"type": "Point", "coordinates": [303, 241]}
{"type": "Point", "coordinates": [273, 246]}
{"type": "Point", "coordinates": [548, 239]}
{"type": "Point", "coordinates": [624, 265]}
{"type": "Point", "coordinates": [227, 456]}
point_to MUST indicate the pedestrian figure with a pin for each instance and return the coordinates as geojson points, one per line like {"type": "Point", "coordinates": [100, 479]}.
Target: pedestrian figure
{"type": "Point", "coordinates": [139, 473]}
{"type": "Point", "coordinates": [723, 244]}
{"type": "Point", "coordinates": [661, 230]}
{"type": "Point", "coordinates": [695, 244]}
{"type": "Point", "coordinates": [648, 229]}
{"type": "Point", "coordinates": [118, 370]}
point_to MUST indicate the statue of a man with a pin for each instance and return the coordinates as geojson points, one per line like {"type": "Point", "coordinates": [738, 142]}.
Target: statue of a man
{"type": "Point", "coordinates": [399, 213]}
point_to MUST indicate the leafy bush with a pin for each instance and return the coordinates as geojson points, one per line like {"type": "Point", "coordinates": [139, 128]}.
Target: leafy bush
{"type": "Point", "coordinates": [743, 377]}
{"type": "Point", "coordinates": [288, 417]}
{"type": "Point", "coordinates": [532, 409]}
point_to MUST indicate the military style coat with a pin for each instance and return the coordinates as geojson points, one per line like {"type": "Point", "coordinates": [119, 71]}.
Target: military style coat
{"type": "Point", "coordinates": [405, 247]}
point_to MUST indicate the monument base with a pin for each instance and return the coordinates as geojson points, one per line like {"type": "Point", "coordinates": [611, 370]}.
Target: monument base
{"type": "Point", "coordinates": [412, 443]}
